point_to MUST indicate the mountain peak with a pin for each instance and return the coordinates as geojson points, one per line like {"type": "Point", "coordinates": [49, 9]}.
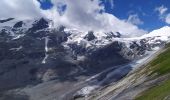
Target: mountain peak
{"type": "Point", "coordinates": [164, 31]}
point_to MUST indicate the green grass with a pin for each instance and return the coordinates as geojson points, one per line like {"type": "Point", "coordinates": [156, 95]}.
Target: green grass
{"type": "Point", "coordinates": [156, 93]}
{"type": "Point", "coordinates": [161, 65]}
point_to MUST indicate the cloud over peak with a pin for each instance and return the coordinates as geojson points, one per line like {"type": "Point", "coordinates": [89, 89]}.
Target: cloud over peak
{"type": "Point", "coordinates": [163, 13]}
{"type": "Point", "coordinates": [134, 18]}
{"type": "Point", "coordinates": [83, 15]}
{"type": "Point", "coordinates": [21, 9]}
{"type": "Point", "coordinates": [167, 19]}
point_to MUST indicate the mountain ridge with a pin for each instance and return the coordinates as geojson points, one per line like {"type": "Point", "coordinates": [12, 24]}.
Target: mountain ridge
{"type": "Point", "coordinates": [41, 54]}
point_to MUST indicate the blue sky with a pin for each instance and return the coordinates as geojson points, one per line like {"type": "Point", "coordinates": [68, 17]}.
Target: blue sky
{"type": "Point", "coordinates": [145, 9]}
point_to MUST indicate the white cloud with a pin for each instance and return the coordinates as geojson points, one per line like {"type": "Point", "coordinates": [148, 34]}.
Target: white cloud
{"type": "Point", "coordinates": [22, 9]}
{"type": "Point", "coordinates": [87, 17]}
{"type": "Point", "coordinates": [134, 19]}
{"type": "Point", "coordinates": [162, 14]}
{"type": "Point", "coordinates": [162, 9]}
{"type": "Point", "coordinates": [81, 14]}
{"type": "Point", "coordinates": [112, 4]}
{"type": "Point", "coordinates": [168, 19]}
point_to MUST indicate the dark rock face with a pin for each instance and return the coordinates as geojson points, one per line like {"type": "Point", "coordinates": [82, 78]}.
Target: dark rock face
{"type": "Point", "coordinates": [148, 46]}
{"type": "Point", "coordinates": [139, 48]}
{"type": "Point", "coordinates": [90, 36]}
{"type": "Point", "coordinates": [4, 35]}
{"type": "Point", "coordinates": [78, 49]}
{"type": "Point", "coordinates": [109, 55]}
{"type": "Point", "coordinates": [6, 20]}
{"type": "Point", "coordinates": [18, 24]}
{"type": "Point", "coordinates": [113, 35]}
{"type": "Point", "coordinates": [61, 28]}
{"type": "Point", "coordinates": [14, 97]}
{"type": "Point", "coordinates": [21, 59]}
{"type": "Point", "coordinates": [40, 24]}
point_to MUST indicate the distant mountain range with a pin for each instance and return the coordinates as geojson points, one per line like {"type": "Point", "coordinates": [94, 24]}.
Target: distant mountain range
{"type": "Point", "coordinates": [32, 52]}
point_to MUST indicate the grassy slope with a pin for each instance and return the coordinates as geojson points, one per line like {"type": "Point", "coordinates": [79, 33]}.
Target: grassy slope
{"type": "Point", "coordinates": [159, 66]}
{"type": "Point", "coordinates": [156, 93]}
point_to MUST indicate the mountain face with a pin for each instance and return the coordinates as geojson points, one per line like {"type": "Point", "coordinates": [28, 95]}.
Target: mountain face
{"type": "Point", "coordinates": [32, 53]}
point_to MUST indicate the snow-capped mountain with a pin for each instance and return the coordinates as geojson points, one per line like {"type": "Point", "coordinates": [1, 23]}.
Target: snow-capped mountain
{"type": "Point", "coordinates": [79, 44]}
{"type": "Point", "coordinates": [39, 52]}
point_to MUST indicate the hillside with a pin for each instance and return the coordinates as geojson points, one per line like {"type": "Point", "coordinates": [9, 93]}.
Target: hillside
{"type": "Point", "coordinates": [149, 82]}
{"type": "Point", "coordinates": [159, 67]}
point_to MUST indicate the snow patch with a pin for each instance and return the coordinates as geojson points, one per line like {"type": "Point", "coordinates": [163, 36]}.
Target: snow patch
{"type": "Point", "coordinates": [46, 50]}
{"type": "Point", "coordinates": [16, 49]}
{"type": "Point", "coordinates": [163, 32]}
{"type": "Point", "coordinates": [17, 36]}
{"type": "Point", "coordinates": [86, 90]}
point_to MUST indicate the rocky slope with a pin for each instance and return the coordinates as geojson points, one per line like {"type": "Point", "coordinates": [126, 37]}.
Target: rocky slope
{"type": "Point", "coordinates": [34, 55]}
{"type": "Point", "coordinates": [148, 82]}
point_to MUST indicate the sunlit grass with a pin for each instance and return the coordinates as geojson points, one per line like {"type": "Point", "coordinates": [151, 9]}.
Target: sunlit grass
{"type": "Point", "coordinates": [159, 66]}
{"type": "Point", "coordinates": [160, 92]}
